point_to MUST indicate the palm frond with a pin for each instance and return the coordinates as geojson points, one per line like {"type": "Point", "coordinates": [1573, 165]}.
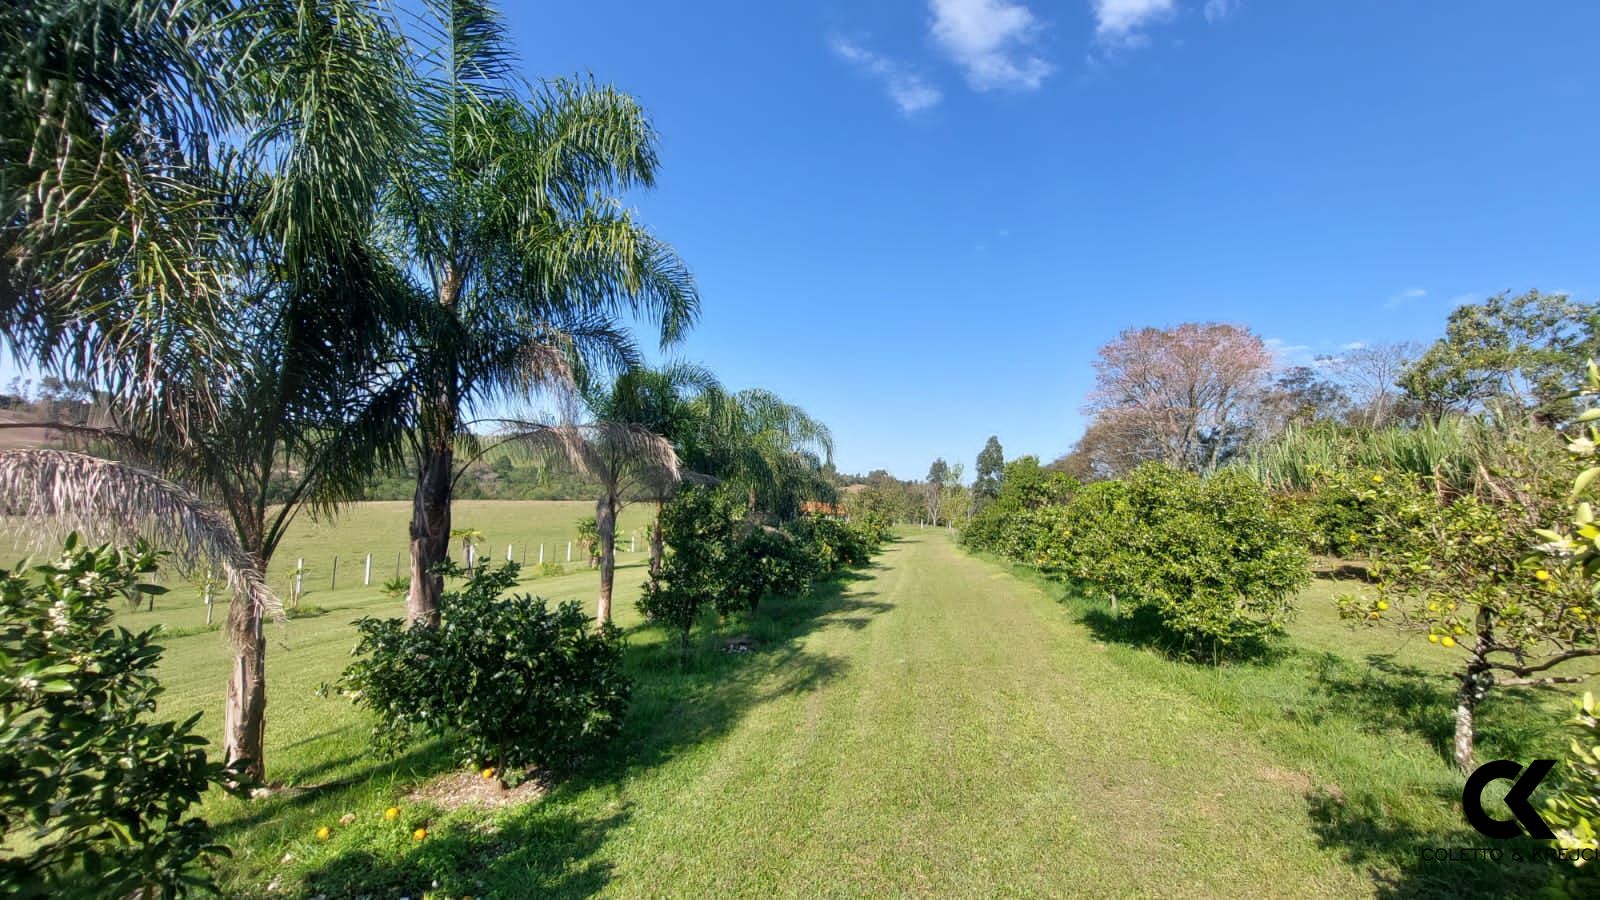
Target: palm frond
{"type": "Point", "coordinates": [113, 501]}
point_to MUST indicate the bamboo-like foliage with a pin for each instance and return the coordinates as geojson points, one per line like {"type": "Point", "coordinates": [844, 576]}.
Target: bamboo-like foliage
{"type": "Point", "coordinates": [1458, 454]}
{"type": "Point", "coordinates": [56, 491]}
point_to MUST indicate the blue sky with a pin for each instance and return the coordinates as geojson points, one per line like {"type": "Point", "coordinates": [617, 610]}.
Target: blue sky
{"type": "Point", "coordinates": [920, 218]}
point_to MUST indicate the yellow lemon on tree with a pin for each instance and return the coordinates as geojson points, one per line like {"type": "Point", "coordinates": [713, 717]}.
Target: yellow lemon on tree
{"type": "Point", "coordinates": [1383, 604]}
{"type": "Point", "coordinates": [1448, 641]}
{"type": "Point", "coordinates": [1542, 575]}
{"type": "Point", "coordinates": [1433, 639]}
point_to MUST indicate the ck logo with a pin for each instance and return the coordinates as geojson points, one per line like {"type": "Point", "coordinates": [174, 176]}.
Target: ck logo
{"type": "Point", "coordinates": [1516, 799]}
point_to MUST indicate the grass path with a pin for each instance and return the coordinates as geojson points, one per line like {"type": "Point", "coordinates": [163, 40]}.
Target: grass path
{"type": "Point", "coordinates": [935, 725]}
{"type": "Point", "coordinates": [974, 741]}
{"type": "Point", "coordinates": [941, 729]}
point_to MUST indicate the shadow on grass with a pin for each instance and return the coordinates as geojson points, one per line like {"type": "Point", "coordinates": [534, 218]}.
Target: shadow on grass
{"type": "Point", "coordinates": [544, 852]}
{"type": "Point", "coordinates": [1405, 861]}
{"type": "Point", "coordinates": [1512, 723]}
{"type": "Point", "coordinates": [548, 848]}
{"type": "Point", "coordinates": [1142, 626]}
{"type": "Point", "coordinates": [423, 761]}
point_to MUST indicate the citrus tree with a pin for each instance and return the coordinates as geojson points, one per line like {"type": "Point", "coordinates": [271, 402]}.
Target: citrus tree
{"type": "Point", "coordinates": [1482, 578]}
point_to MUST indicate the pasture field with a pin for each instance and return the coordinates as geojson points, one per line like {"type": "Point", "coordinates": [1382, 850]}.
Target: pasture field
{"type": "Point", "coordinates": [936, 724]}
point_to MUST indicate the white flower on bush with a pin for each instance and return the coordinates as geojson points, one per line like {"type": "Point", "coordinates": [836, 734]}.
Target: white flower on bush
{"type": "Point", "coordinates": [59, 619]}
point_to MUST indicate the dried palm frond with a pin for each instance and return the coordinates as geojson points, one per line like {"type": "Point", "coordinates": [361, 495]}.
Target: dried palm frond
{"type": "Point", "coordinates": [113, 501]}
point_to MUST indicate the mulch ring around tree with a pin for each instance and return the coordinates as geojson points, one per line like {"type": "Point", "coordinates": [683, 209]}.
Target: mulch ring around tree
{"type": "Point", "coordinates": [454, 790]}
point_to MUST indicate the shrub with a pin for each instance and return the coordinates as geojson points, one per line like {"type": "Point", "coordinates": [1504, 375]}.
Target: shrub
{"type": "Point", "coordinates": [397, 587]}
{"type": "Point", "coordinates": [833, 544]}
{"type": "Point", "coordinates": [721, 560]}
{"type": "Point", "coordinates": [551, 569]}
{"type": "Point", "coordinates": [1209, 555]}
{"type": "Point", "coordinates": [1020, 522]}
{"type": "Point", "coordinates": [101, 792]}
{"type": "Point", "coordinates": [1347, 515]}
{"type": "Point", "coordinates": [589, 540]}
{"type": "Point", "coordinates": [701, 525]}
{"type": "Point", "coordinates": [510, 681]}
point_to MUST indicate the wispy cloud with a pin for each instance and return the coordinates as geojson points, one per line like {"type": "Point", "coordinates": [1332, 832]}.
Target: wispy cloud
{"type": "Point", "coordinates": [1406, 296]}
{"type": "Point", "coordinates": [1287, 354]}
{"type": "Point", "coordinates": [1121, 21]}
{"type": "Point", "coordinates": [1353, 345]}
{"type": "Point", "coordinates": [1217, 10]}
{"type": "Point", "coordinates": [909, 91]}
{"type": "Point", "coordinates": [991, 41]}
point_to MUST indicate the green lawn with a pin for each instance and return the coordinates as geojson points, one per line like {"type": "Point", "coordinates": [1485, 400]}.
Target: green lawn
{"type": "Point", "coordinates": [938, 724]}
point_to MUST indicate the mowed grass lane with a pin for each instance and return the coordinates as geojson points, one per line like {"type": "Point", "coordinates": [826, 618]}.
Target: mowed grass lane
{"type": "Point", "coordinates": [968, 739]}
{"type": "Point", "coordinates": [938, 727]}
{"type": "Point", "coordinates": [936, 724]}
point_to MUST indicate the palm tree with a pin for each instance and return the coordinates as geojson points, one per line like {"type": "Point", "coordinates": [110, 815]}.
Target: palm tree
{"type": "Point", "coordinates": [289, 413]}
{"type": "Point", "coordinates": [470, 537]}
{"type": "Point", "coordinates": [109, 257]}
{"type": "Point", "coordinates": [768, 446]}
{"type": "Point", "coordinates": [521, 263]}
{"type": "Point", "coordinates": [628, 449]}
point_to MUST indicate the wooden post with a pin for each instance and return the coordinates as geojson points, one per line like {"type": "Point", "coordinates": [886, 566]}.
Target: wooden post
{"type": "Point", "coordinates": [397, 554]}
{"type": "Point", "coordinates": [541, 554]}
{"type": "Point", "coordinates": [299, 578]}
{"type": "Point", "coordinates": [569, 551]}
{"type": "Point", "coordinates": [333, 580]}
{"type": "Point", "coordinates": [208, 599]}
{"type": "Point", "coordinates": [366, 579]}
{"type": "Point", "coordinates": [508, 553]}
{"type": "Point", "coordinates": [633, 541]}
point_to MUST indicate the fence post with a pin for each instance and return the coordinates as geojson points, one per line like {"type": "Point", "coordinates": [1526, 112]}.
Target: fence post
{"type": "Point", "coordinates": [366, 579]}
{"type": "Point", "coordinates": [397, 564]}
{"type": "Point", "coordinates": [541, 554]}
{"type": "Point", "coordinates": [208, 599]}
{"type": "Point", "coordinates": [633, 543]}
{"type": "Point", "coordinates": [299, 578]}
{"type": "Point", "coordinates": [569, 551]}
{"type": "Point", "coordinates": [333, 580]}
{"type": "Point", "coordinates": [508, 553]}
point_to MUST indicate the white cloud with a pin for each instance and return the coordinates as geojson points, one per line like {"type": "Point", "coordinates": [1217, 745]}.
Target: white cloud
{"type": "Point", "coordinates": [1119, 21]}
{"type": "Point", "coordinates": [1286, 354]}
{"type": "Point", "coordinates": [990, 40]}
{"type": "Point", "coordinates": [910, 93]}
{"type": "Point", "coordinates": [1217, 10]}
{"type": "Point", "coordinates": [1353, 345]}
{"type": "Point", "coordinates": [1407, 295]}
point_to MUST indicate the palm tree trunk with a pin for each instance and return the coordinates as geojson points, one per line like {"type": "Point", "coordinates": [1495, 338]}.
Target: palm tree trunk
{"type": "Point", "coordinates": [245, 720]}
{"type": "Point", "coordinates": [657, 546]}
{"type": "Point", "coordinates": [605, 520]}
{"type": "Point", "coordinates": [430, 536]}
